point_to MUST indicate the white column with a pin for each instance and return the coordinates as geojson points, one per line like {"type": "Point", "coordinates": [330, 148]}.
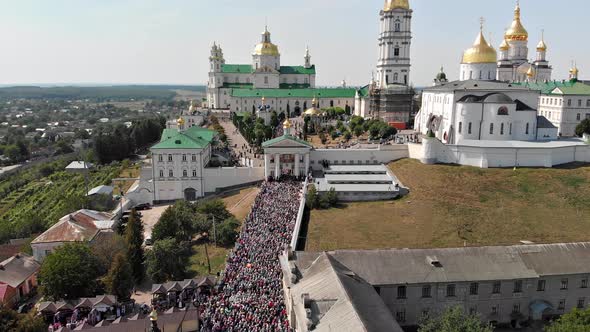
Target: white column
{"type": "Point", "coordinates": [306, 163]}
{"type": "Point", "coordinates": [266, 166]}
{"type": "Point", "coordinates": [277, 165]}
{"type": "Point", "coordinates": [297, 171]}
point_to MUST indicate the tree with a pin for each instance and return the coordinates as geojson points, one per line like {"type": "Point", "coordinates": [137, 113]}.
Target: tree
{"type": "Point", "coordinates": [332, 197]}
{"type": "Point", "coordinates": [312, 197]}
{"type": "Point", "coordinates": [227, 232]}
{"type": "Point", "coordinates": [453, 320]}
{"type": "Point", "coordinates": [134, 241]}
{"type": "Point", "coordinates": [347, 135]}
{"type": "Point", "coordinates": [70, 272]}
{"type": "Point", "coordinates": [274, 119]}
{"type": "Point", "coordinates": [583, 128]}
{"type": "Point", "coordinates": [168, 260]}
{"type": "Point", "coordinates": [8, 319]}
{"type": "Point", "coordinates": [574, 321]}
{"type": "Point", "coordinates": [358, 131]}
{"type": "Point", "coordinates": [108, 249]}
{"type": "Point", "coordinates": [30, 322]}
{"type": "Point", "coordinates": [119, 280]}
{"type": "Point", "coordinates": [214, 207]}
{"type": "Point", "coordinates": [177, 221]}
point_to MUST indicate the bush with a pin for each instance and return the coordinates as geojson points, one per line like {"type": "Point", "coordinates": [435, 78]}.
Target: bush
{"type": "Point", "coordinates": [168, 260]}
{"type": "Point", "coordinates": [583, 128]}
{"type": "Point", "coordinates": [227, 232]}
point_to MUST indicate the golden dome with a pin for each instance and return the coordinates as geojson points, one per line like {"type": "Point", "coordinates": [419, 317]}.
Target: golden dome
{"type": "Point", "coordinates": [287, 124]}
{"type": "Point", "coordinates": [266, 49]}
{"type": "Point", "coordinates": [312, 112]}
{"type": "Point", "coordinates": [517, 30]}
{"type": "Point", "coordinates": [504, 46]}
{"type": "Point", "coordinates": [481, 52]}
{"type": "Point", "coordinates": [530, 72]}
{"type": "Point", "coordinates": [394, 4]}
{"type": "Point", "coordinates": [180, 121]}
{"type": "Point", "coordinates": [574, 70]}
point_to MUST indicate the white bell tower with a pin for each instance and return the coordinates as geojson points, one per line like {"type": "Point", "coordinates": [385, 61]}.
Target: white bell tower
{"type": "Point", "coordinates": [395, 40]}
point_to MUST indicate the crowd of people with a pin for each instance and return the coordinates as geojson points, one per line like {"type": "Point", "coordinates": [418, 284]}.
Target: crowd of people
{"type": "Point", "coordinates": [250, 295]}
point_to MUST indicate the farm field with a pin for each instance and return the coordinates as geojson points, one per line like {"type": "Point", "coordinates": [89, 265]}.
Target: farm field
{"type": "Point", "coordinates": [453, 206]}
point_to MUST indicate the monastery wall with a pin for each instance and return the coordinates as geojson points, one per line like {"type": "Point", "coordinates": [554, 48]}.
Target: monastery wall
{"type": "Point", "coordinates": [382, 155]}
{"type": "Point", "coordinates": [223, 177]}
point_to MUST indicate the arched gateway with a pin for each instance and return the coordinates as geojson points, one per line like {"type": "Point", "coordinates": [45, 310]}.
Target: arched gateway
{"type": "Point", "coordinates": [286, 155]}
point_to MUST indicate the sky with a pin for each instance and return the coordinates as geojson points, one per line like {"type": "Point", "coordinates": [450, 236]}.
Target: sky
{"type": "Point", "coordinates": [169, 41]}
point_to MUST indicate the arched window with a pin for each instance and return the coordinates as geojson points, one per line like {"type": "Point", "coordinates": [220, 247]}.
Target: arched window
{"type": "Point", "coordinates": [396, 51]}
{"type": "Point", "coordinates": [471, 74]}
{"type": "Point", "coordinates": [170, 173]}
{"type": "Point", "coordinates": [397, 26]}
{"type": "Point", "coordinates": [527, 129]}
{"type": "Point", "coordinates": [503, 110]}
{"type": "Point", "coordinates": [395, 77]}
{"type": "Point", "coordinates": [510, 130]}
{"type": "Point", "coordinates": [184, 157]}
{"type": "Point", "coordinates": [460, 127]}
{"type": "Point", "coordinates": [469, 128]}
{"type": "Point", "coordinates": [160, 158]}
{"type": "Point", "coordinates": [491, 128]}
{"type": "Point", "coordinates": [502, 129]}
{"type": "Point", "coordinates": [480, 74]}
{"type": "Point", "coordinates": [184, 173]}
{"type": "Point", "coordinates": [194, 173]}
{"type": "Point", "coordinates": [169, 157]}
{"type": "Point", "coordinates": [161, 173]}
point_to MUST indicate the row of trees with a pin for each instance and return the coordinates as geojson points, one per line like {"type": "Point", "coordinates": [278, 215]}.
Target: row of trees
{"type": "Point", "coordinates": [113, 265]}
{"type": "Point", "coordinates": [174, 232]}
{"type": "Point", "coordinates": [316, 201]}
{"type": "Point", "coordinates": [253, 129]}
{"type": "Point", "coordinates": [117, 142]}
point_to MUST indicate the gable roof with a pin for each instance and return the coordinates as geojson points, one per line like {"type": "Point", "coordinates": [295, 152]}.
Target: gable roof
{"type": "Point", "coordinates": [192, 138]}
{"type": "Point", "coordinates": [279, 139]}
{"type": "Point", "coordinates": [17, 269]}
{"type": "Point", "coordinates": [543, 122]}
{"type": "Point", "coordinates": [82, 225]}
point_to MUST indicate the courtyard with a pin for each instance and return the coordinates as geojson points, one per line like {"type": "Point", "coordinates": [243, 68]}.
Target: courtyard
{"type": "Point", "coordinates": [453, 206]}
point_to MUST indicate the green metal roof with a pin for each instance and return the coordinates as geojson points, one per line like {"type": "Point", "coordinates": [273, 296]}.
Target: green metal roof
{"type": "Point", "coordinates": [364, 91]}
{"type": "Point", "coordinates": [567, 88]}
{"type": "Point", "coordinates": [298, 70]}
{"type": "Point", "coordinates": [236, 68]}
{"type": "Point", "coordinates": [294, 86]}
{"type": "Point", "coordinates": [192, 138]}
{"type": "Point", "coordinates": [295, 93]}
{"type": "Point", "coordinates": [233, 69]}
{"type": "Point", "coordinates": [238, 85]}
{"type": "Point", "coordinates": [285, 137]}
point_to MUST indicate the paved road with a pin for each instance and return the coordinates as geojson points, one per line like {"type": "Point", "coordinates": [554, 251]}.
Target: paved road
{"type": "Point", "coordinates": [236, 139]}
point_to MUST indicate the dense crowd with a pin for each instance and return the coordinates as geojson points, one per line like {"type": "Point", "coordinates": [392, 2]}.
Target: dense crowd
{"type": "Point", "coordinates": [250, 297]}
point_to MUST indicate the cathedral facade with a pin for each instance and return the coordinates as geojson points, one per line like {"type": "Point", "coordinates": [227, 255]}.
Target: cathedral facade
{"type": "Point", "coordinates": [267, 83]}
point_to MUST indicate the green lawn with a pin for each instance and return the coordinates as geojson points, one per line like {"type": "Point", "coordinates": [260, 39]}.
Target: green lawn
{"type": "Point", "coordinates": [451, 206]}
{"type": "Point", "coordinates": [217, 257]}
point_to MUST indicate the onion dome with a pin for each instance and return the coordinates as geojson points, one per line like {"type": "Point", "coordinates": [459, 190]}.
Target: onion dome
{"type": "Point", "coordinates": [441, 76]}
{"type": "Point", "coordinates": [574, 70]}
{"type": "Point", "coordinates": [395, 4]}
{"type": "Point", "coordinates": [313, 111]}
{"type": "Point", "coordinates": [531, 72]}
{"type": "Point", "coordinates": [266, 47]}
{"type": "Point", "coordinates": [287, 124]}
{"type": "Point", "coordinates": [481, 52]}
{"type": "Point", "coordinates": [180, 121]}
{"type": "Point", "coordinates": [504, 46]}
{"type": "Point", "coordinates": [541, 46]}
{"type": "Point", "coordinates": [517, 30]}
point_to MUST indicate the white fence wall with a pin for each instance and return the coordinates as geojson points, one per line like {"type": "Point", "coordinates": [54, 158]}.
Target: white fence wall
{"type": "Point", "coordinates": [223, 177]}
{"type": "Point", "coordinates": [297, 228]}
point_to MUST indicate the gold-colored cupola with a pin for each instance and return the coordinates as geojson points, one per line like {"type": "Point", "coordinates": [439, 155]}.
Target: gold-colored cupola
{"type": "Point", "coordinates": [395, 4]}
{"type": "Point", "coordinates": [517, 30]}
{"type": "Point", "coordinates": [481, 51]}
{"type": "Point", "coordinates": [266, 47]}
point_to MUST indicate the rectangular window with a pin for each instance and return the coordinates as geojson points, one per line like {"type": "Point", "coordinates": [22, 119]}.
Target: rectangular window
{"type": "Point", "coordinates": [169, 157]}
{"type": "Point", "coordinates": [161, 173]}
{"type": "Point", "coordinates": [160, 157]}
{"type": "Point", "coordinates": [469, 128]}
{"type": "Point", "coordinates": [495, 309]}
{"type": "Point", "coordinates": [184, 173]}
{"type": "Point", "coordinates": [588, 103]}
{"type": "Point", "coordinates": [516, 308]}
{"type": "Point", "coordinates": [581, 303]}
{"type": "Point", "coordinates": [496, 287]}
{"type": "Point", "coordinates": [194, 173]}
{"type": "Point", "coordinates": [491, 128]}
{"type": "Point", "coordinates": [561, 305]}
{"type": "Point", "coordinates": [584, 283]}
{"type": "Point", "coordinates": [579, 102]}
{"type": "Point", "coordinates": [541, 286]}
{"type": "Point", "coordinates": [401, 292]}
{"type": "Point", "coordinates": [564, 284]}
{"type": "Point", "coordinates": [400, 316]}
{"type": "Point", "coordinates": [569, 102]}
{"type": "Point", "coordinates": [425, 312]}
{"type": "Point", "coordinates": [460, 126]}
{"type": "Point", "coordinates": [473, 311]}
{"type": "Point", "coordinates": [578, 116]}
{"type": "Point", "coordinates": [518, 286]}
{"type": "Point", "coordinates": [473, 288]}
{"type": "Point", "coordinates": [451, 290]}
{"type": "Point", "coordinates": [426, 291]}
{"type": "Point", "coordinates": [194, 157]}
{"type": "Point", "coordinates": [170, 173]}
{"type": "Point", "coordinates": [183, 157]}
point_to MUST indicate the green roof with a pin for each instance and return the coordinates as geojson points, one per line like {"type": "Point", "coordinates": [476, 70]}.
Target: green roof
{"type": "Point", "coordinates": [192, 138]}
{"type": "Point", "coordinates": [293, 86]}
{"type": "Point", "coordinates": [298, 70]}
{"type": "Point", "coordinates": [238, 85]}
{"type": "Point", "coordinates": [233, 69]}
{"type": "Point", "coordinates": [236, 68]}
{"type": "Point", "coordinates": [364, 91]}
{"type": "Point", "coordinates": [567, 88]}
{"type": "Point", "coordinates": [295, 93]}
{"type": "Point", "coordinates": [285, 137]}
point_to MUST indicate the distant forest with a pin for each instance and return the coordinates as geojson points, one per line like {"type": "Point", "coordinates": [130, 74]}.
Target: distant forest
{"type": "Point", "coordinates": [106, 93]}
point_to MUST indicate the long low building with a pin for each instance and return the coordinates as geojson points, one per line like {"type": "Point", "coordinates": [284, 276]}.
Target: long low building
{"type": "Point", "coordinates": [503, 284]}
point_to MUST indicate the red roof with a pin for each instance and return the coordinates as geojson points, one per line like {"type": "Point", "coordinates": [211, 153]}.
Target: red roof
{"type": "Point", "coordinates": [6, 293]}
{"type": "Point", "coordinates": [79, 226]}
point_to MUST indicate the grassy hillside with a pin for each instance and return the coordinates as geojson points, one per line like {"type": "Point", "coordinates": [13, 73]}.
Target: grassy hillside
{"type": "Point", "coordinates": [451, 206]}
{"type": "Point", "coordinates": [31, 202]}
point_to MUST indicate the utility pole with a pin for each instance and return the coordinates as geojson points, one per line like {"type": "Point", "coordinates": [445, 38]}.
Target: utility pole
{"type": "Point", "coordinates": [207, 252]}
{"type": "Point", "coordinates": [214, 231]}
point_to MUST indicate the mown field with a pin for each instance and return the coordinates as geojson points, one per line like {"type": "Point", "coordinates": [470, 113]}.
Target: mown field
{"type": "Point", "coordinates": [452, 206]}
{"type": "Point", "coordinates": [31, 202]}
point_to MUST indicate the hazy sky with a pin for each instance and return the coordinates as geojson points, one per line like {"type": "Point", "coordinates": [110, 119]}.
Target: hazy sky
{"type": "Point", "coordinates": [168, 41]}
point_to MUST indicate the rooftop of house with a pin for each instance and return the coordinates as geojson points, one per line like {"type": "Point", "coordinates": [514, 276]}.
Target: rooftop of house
{"type": "Point", "coordinates": [571, 87]}
{"type": "Point", "coordinates": [82, 225]}
{"type": "Point", "coordinates": [17, 269]}
{"type": "Point", "coordinates": [192, 138]}
{"type": "Point", "coordinates": [390, 267]}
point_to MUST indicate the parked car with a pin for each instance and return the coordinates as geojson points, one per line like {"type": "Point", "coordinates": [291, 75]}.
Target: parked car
{"type": "Point", "coordinates": [144, 206]}
{"type": "Point", "coordinates": [148, 242]}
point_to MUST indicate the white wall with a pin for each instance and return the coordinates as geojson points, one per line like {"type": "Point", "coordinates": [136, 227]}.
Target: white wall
{"type": "Point", "coordinates": [358, 156]}
{"type": "Point", "coordinates": [221, 177]}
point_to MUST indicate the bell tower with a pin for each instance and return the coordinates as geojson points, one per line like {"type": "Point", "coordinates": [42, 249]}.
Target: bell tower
{"type": "Point", "coordinates": [395, 40]}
